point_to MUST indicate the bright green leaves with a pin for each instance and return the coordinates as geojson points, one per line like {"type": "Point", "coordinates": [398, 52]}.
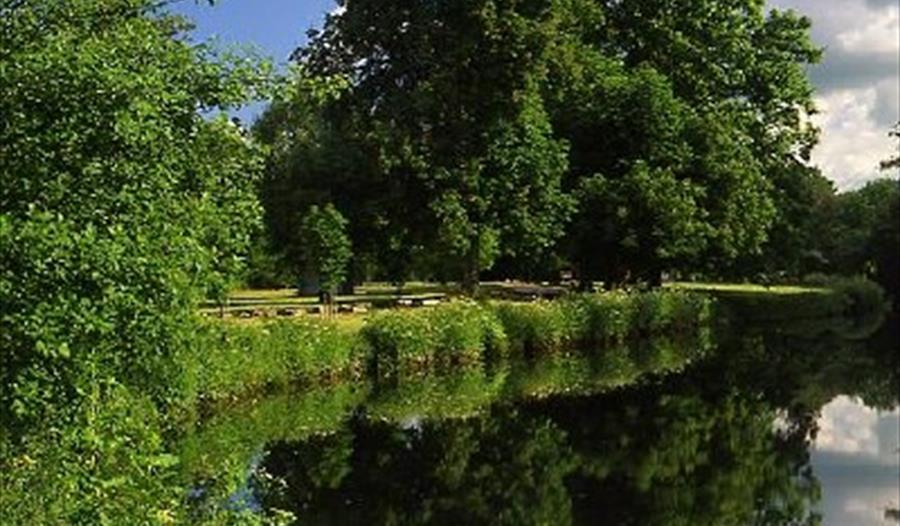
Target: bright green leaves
{"type": "Point", "coordinates": [122, 206]}
{"type": "Point", "coordinates": [327, 249]}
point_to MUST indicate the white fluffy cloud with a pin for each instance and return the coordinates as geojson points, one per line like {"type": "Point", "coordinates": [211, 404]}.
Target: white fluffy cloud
{"type": "Point", "coordinates": [876, 31]}
{"type": "Point", "coordinates": [852, 142]}
{"type": "Point", "coordinates": [848, 427]}
{"type": "Point", "coordinates": [858, 84]}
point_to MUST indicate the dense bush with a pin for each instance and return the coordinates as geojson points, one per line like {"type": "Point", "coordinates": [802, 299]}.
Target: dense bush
{"type": "Point", "coordinates": [121, 206]}
{"type": "Point", "coordinates": [100, 462]}
{"type": "Point", "coordinates": [459, 332]}
{"type": "Point", "coordinates": [606, 318]}
{"type": "Point", "coordinates": [536, 327]}
{"type": "Point", "coordinates": [240, 358]}
{"type": "Point", "coordinates": [594, 320]}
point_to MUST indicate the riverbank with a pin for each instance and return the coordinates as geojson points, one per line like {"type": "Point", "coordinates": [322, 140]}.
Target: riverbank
{"type": "Point", "coordinates": [237, 358]}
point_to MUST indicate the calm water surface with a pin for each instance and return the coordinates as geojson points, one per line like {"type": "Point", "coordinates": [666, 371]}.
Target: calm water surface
{"type": "Point", "coordinates": [768, 425]}
{"type": "Point", "coordinates": [855, 457]}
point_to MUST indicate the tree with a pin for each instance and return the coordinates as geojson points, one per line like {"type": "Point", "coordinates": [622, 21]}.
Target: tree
{"type": "Point", "coordinates": [327, 249]}
{"type": "Point", "coordinates": [701, 194]}
{"type": "Point", "coordinates": [804, 213]}
{"type": "Point", "coordinates": [319, 152]}
{"type": "Point", "coordinates": [121, 206]}
{"type": "Point", "coordinates": [854, 220]}
{"type": "Point", "coordinates": [884, 248]}
{"type": "Point", "coordinates": [885, 242]}
{"type": "Point", "coordinates": [447, 95]}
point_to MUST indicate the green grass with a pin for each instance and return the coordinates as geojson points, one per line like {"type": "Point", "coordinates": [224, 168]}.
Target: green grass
{"type": "Point", "coordinates": [744, 287]}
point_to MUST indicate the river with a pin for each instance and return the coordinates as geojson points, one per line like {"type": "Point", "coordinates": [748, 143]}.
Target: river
{"type": "Point", "coordinates": [792, 423]}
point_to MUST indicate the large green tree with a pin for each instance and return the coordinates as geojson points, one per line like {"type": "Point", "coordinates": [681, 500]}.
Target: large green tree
{"type": "Point", "coordinates": [470, 127]}
{"type": "Point", "coordinates": [121, 206]}
{"type": "Point", "coordinates": [709, 97]}
{"type": "Point", "coordinates": [448, 98]}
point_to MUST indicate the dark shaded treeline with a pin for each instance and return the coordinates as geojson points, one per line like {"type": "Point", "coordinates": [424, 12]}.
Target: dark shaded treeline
{"type": "Point", "coordinates": [621, 139]}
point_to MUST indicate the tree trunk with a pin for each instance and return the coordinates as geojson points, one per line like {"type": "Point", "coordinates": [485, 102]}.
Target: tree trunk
{"type": "Point", "coordinates": [472, 268]}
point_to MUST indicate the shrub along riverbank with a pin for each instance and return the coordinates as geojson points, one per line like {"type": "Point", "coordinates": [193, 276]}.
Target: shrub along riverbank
{"type": "Point", "coordinates": [242, 358]}
{"type": "Point", "coordinates": [236, 359]}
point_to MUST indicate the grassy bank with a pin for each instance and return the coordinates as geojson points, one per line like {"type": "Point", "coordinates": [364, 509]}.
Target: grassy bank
{"type": "Point", "coordinates": [241, 358]}
{"type": "Point", "coordinates": [849, 298]}
{"type": "Point", "coordinates": [217, 451]}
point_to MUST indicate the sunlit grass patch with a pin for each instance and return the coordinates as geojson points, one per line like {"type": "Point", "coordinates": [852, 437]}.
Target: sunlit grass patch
{"type": "Point", "coordinates": [745, 287]}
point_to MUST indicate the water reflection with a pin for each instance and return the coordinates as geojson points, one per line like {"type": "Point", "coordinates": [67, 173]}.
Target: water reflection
{"type": "Point", "coordinates": [650, 435]}
{"type": "Point", "coordinates": [856, 457]}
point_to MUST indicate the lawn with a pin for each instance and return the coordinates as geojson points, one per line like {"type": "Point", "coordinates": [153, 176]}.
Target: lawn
{"type": "Point", "coordinates": [745, 288]}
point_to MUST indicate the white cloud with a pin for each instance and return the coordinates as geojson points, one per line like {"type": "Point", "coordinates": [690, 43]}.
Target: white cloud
{"type": "Point", "coordinates": [877, 33]}
{"type": "Point", "coordinates": [847, 426]}
{"type": "Point", "coordinates": [859, 84]}
{"type": "Point", "coordinates": [852, 144]}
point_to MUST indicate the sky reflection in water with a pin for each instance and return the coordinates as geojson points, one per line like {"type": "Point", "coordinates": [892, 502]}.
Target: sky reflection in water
{"type": "Point", "coordinates": [856, 457]}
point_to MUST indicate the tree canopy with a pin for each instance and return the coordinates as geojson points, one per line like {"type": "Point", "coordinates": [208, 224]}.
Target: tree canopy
{"type": "Point", "coordinates": [121, 206]}
{"type": "Point", "coordinates": [625, 138]}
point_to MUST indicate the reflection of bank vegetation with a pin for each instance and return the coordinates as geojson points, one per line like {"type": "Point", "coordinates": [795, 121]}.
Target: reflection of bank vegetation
{"type": "Point", "coordinates": [217, 453]}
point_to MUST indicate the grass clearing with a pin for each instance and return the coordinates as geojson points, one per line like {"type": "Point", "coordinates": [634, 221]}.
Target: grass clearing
{"type": "Point", "coordinates": [749, 288]}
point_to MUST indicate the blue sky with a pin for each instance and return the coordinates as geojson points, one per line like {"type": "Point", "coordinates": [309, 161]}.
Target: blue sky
{"type": "Point", "coordinates": [275, 27]}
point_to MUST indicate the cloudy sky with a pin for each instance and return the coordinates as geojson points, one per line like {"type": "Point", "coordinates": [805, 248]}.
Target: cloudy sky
{"type": "Point", "coordinates": [858, 81]}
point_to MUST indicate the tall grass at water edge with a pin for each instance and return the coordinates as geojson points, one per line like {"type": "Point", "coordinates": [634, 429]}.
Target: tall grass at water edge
{"type": "Point", "coordinates": [238, 358]}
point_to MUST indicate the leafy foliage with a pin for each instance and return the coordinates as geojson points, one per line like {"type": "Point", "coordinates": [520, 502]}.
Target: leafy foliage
{"type": "Point", "coordinates": [327, 248]}
{"type": "Point", "coordinates": [121, 206]}
{"type": "Point", "coordinates": [647, 139]}
{"type": "Point", "coordinates": [473, 166]}
{"type": "Point", "coordinates": [238, 360]}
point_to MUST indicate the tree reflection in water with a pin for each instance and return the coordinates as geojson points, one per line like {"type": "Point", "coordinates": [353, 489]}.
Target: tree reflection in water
{"type": "Point", "coordinates": [725, 442]}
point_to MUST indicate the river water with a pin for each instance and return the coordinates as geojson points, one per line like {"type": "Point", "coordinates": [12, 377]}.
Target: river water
{"type": "Point", "coordinates": [772, 424]}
